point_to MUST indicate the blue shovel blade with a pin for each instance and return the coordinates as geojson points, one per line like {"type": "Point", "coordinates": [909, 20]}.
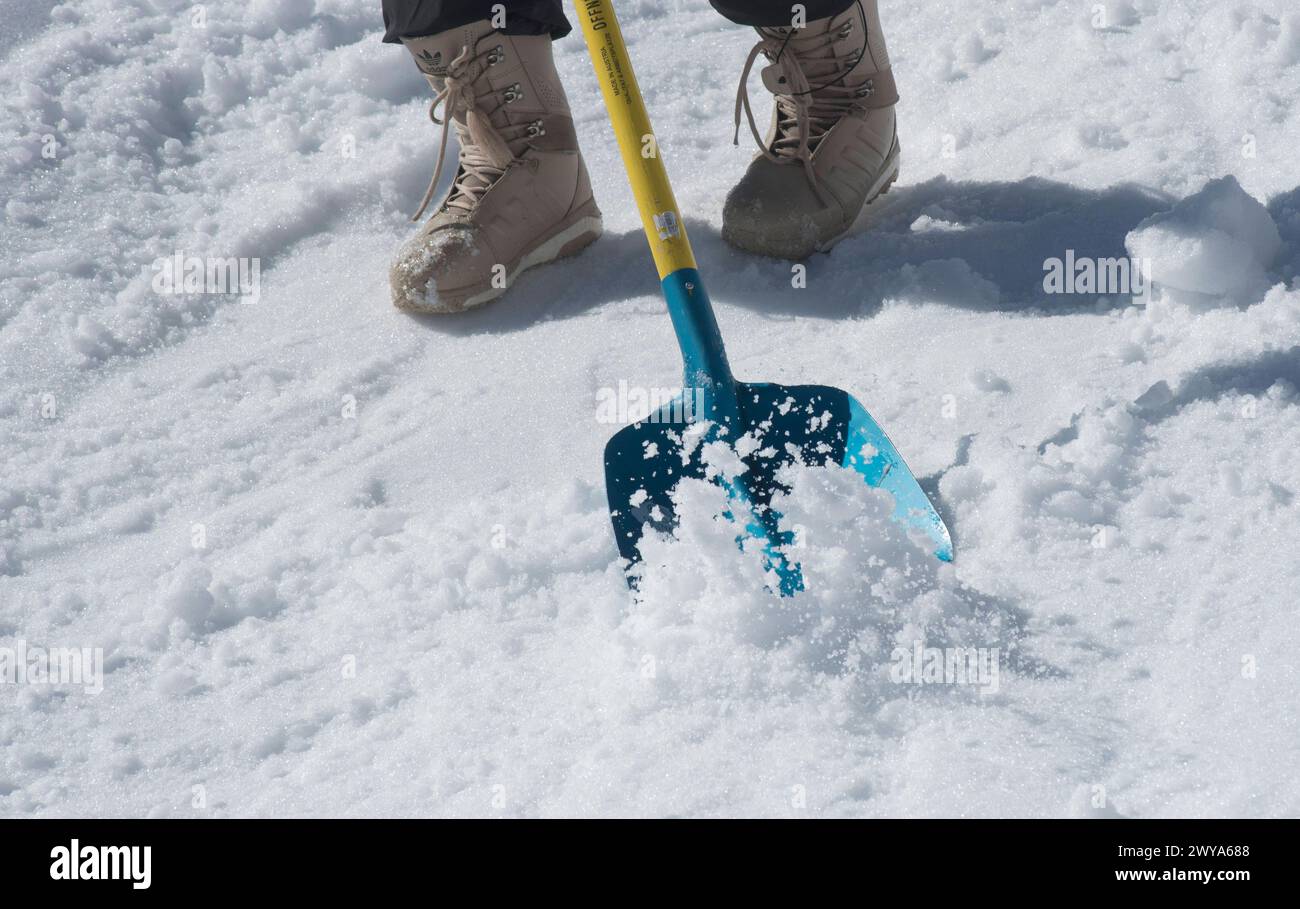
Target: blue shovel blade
{"type": "Point", "coordinates": [817, 424]}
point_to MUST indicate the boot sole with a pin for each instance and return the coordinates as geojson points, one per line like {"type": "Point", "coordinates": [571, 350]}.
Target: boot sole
{"type": "Point", "coordinates": [887, 178]}
{"type": "Point", "coordinates": [567, 241]}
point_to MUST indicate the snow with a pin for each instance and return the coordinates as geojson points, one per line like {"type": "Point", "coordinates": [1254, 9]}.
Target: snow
{"type": "Point", "coordinates": [346, 561]}
{"type": "Point", "coordinates": [1218, 242]}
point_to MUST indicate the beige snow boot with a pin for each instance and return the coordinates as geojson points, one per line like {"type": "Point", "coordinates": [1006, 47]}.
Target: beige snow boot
{"type": "Point", "coordinates": [833, 145]}
{"type": "Point", "coordinates": [521, 196]}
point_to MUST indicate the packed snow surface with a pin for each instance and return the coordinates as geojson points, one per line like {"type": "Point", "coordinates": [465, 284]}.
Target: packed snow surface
{"type": "Point", "coordinates": [343, 561]}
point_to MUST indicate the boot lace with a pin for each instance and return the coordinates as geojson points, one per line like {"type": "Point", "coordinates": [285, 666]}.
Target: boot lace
{"type": "Point", "coordinates": [805, 112]}
{"type": "Point", "coordinates": [485, 151]}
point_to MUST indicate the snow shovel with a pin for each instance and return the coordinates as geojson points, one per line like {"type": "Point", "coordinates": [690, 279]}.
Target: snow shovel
{"type": "Point", "coordinates": [765, 425]}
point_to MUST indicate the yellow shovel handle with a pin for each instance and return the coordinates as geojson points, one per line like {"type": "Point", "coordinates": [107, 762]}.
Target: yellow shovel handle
{"type": "Point", "coordinates": [636, 140]}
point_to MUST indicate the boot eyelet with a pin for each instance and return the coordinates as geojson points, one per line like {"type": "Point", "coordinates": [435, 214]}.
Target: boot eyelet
{"type": "Point", "coordinates": [535, 129]}
{"type": "Point", "coordinates": [512, 94]}
{"type": "Point", "coordinates": [846, 29]}
{"type": "Point", "coordinates": [867, 90]}
{"type": "Point", "coordinates": [496, 55]}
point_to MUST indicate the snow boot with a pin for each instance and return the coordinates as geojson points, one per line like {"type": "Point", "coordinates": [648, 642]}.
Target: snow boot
{"type": "Point", "coordinates": [521, 196]}
{"type": "Point", "coordinates": [833, 143]}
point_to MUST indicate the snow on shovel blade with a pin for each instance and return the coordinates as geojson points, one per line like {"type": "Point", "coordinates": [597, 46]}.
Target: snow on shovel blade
{"type": "Point", "coordinates": [815, 424]}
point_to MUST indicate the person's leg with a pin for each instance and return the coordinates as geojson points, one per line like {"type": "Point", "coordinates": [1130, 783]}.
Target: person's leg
{"type": "Point", "coordinates": [420, 18]}
{"type": "Point", "coordinates": [832, 146]}
{"type": "Point", "coordinates": [521, 195]}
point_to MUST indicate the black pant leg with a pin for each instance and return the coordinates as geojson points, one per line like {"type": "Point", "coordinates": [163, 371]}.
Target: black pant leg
{"type": "Point", "coordinates": [777, 12]}
{"type": "Point", "coordinates": [417, 18]}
